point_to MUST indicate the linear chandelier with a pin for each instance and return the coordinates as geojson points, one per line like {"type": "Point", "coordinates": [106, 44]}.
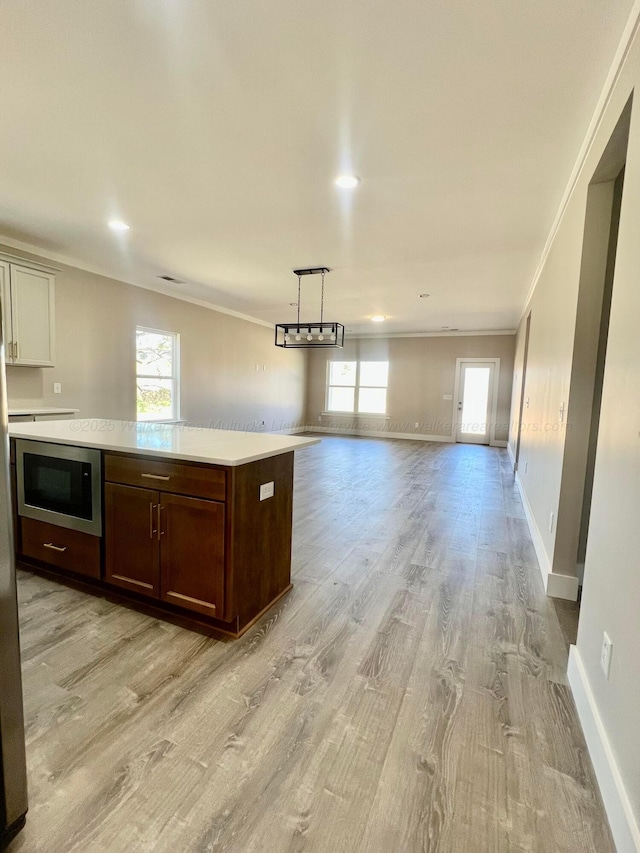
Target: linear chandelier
{"type": "Point", "coordinates": [302, 334]}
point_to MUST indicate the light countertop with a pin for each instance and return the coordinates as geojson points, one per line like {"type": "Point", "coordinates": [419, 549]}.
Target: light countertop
{"type": "Point", "coordinates": [40, 410]}
{"type": "Point", "coordinates": [173, 441]}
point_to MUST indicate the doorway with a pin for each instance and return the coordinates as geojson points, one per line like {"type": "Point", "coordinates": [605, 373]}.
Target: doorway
{"type": "Point", "coordinates": [475, 400]}
{"type": "Point", "coordinates": [523, 382]}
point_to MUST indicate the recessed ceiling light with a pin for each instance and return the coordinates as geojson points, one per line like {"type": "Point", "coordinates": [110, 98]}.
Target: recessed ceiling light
{"type": "Point", "coordinates": [424, 295]}
{"type": "Point", "coordinates": [378, 318]}
{"type": "Point", "coordinates": [347, 182]}
{"type": "Point", "coordinates": [118, 225]}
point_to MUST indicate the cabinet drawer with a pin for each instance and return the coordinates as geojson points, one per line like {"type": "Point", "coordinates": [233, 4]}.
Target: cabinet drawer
{"type": "Point", "coordinates": [181, 479]}
{"type": "Point", "coordinates": [62, 548]}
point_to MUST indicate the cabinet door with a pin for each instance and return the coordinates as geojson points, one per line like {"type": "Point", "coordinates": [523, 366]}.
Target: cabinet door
{"type": "Point", "coordinates": [32, 312]}
{"type": "Point", "coordinates": [5, 295]}
{"type": "Point", "coordinates": [131, 539]}
{"type": "Point", "coordinates": [192, 554]}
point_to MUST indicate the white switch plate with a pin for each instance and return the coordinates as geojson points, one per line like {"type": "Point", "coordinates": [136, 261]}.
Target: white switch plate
{"type": "Point", "coordinates": [266, 491]}
{"type": "Point", "coordinates": [526, 467]}
{"type": "Point", "coordinates": [416, 425]}
{"type": "Point", "coordinates": [57, 387]}
{"type": "Point", "coordinates": [605, 654]}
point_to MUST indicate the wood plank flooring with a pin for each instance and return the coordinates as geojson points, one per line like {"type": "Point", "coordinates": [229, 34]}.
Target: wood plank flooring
{"type": "Point", "coordinates": [408, 695]}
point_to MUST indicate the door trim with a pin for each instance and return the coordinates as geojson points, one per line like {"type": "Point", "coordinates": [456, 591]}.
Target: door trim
{"type": "Point", "coordinates": [494, 400]}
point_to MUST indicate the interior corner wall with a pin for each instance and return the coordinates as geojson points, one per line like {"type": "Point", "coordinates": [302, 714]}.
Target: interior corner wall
{"type": "Point", "coordinates": [609, 708]}
{"type": "Point", "coordinates": [421, 374]}
{"type": "Point", "coordinates": [232, 375]}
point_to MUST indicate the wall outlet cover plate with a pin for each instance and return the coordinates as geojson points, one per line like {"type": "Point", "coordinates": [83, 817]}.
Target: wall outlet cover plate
{"type": "Point", "coordinates": [267, 490]}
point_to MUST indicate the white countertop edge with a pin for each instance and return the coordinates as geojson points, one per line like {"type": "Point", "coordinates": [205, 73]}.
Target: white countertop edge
{"type": "Point", "coordinates": [46, 432]}
{"type": "Point", "coordinates": [42, 410]}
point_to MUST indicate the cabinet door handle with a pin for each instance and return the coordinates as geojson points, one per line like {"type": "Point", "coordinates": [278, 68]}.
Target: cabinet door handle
{"type": "Point", "coordinates": [160, 530]}
{"type": "Point", "coordinates": [155, 477]}
{"type": "Point", "coordinates": [54, 547]}
{"type": "Point", "coordinates": [152, 529]}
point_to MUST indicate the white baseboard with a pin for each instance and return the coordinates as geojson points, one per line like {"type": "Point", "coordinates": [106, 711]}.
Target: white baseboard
{"type": "Point", "coordinates": [378, 433]}
{"type": "Point", "coordinates": [555, 585]}
{"type": "Point", "coordinates": [541, 554]}
{"type": "Point", "coordinates": [562, 586]}
{"type": "Point", "coordinates": [291, 431]}
{"type": "Point", "coordinates": [498, 442]}
{"type": "Point", "coordinates": [624, 826]}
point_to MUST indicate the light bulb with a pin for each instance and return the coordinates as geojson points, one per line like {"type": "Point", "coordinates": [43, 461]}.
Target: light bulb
{"type": "Point", "coordinates": [320, 337]}
{"type": "Point", "coordinates": [297, 337]}
{"type": "Point", "coordinates": [286, 337]}
{"type": "Point", "coordinates": [309, 337]}
{"type": "Point", "coordinates": [333, 337]}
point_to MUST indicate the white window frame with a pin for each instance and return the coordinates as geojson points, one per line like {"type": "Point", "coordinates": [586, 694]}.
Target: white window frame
{"type": "Point", "coordinates": [356, 388]}
{"type": "Point", "coordinates": [175, 374]}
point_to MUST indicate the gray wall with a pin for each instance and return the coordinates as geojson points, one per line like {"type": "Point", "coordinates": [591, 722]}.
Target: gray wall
{"type": "Point", "coordinates": [95, 358]}
{"type": "Point", "coordinates": [611, 594]}
{"type": "Point", "coordinates": [421, 372]}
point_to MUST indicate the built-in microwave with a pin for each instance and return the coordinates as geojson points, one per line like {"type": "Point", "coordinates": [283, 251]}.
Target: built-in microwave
{"type": "Point", "coordinates": [60, 484]}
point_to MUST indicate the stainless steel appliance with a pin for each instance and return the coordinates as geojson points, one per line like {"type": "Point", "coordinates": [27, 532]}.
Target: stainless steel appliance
{"type": "Point", "coordinates": [60, 484]}
{"type": "Point", "coordinates": [13, 771]}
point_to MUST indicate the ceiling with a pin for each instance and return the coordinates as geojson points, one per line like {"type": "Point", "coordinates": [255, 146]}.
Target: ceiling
{"type": "Point", "coordinates": [216, 129]}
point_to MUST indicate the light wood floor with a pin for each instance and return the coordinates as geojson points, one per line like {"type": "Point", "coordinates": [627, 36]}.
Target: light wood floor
{"type": "Point", "coordinates": [408, 695]}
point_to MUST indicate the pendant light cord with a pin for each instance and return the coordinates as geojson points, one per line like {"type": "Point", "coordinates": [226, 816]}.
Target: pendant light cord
{"type": "Point", "coordinates": [299, 280]}
{"type": "Point", "coordinates": [322, 303]}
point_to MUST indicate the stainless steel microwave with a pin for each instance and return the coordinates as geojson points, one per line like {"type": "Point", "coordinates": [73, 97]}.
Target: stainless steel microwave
{"type": "Point", "coordinates": [60, 484]}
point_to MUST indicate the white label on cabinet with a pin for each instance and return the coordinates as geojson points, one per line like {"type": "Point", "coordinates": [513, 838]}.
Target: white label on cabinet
{"type": "Point", "coordinates": [266, 491]}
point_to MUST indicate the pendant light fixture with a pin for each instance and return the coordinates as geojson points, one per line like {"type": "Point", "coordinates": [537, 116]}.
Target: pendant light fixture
{"type": "Point", "coordinates": [302, 334]}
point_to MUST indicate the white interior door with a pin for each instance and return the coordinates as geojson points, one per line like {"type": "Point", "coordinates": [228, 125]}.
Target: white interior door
{"type": "Point", "coordinates": [475, 401]}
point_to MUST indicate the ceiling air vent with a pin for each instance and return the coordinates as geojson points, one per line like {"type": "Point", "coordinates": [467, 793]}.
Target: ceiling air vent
{"type": "Point", "coordinates": [171, 279]}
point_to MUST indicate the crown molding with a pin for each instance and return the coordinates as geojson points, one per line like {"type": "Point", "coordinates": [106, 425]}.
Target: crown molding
{"type": "Point", "coordinates": [629, 33]}
{"type": "Point", "coordinates": [442, 334]}
{"type": "Point", "coordinates": [70, 261]}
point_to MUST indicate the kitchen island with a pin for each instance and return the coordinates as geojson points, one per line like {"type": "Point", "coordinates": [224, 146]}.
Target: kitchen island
{"type": "Point", "coordinates": [189, 523]}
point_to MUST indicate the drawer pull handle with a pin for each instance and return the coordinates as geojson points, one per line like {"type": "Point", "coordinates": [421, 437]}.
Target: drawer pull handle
{"type": "Point", "coordinates": [155, 477]}
{"type": "Point", "coordinates": [152, 529]}
{"type": "Point", "coordinates": [54, 547]}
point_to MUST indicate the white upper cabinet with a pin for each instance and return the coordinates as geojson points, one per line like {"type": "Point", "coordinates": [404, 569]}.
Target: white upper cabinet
{"type": "Point", "coordinates": [28, 311]}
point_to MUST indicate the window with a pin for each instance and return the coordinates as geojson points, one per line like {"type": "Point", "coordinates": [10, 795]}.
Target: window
{"type": "Point", "coordinates": [157, 375]}
{"type": "Point", "coordinates": [358, 386]}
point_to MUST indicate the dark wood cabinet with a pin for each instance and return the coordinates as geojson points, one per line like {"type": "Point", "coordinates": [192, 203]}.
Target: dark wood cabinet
{"type": "Point", "coordinates": [64, 549]}
{"type": "Point", "coordinates": [191, 541]}
{"type": "Point", "coordinates": [166, 546]}
{"type": "Point", "coordinates": [131, 538]}
{"type": "Point", "coordinates": [192, 553]}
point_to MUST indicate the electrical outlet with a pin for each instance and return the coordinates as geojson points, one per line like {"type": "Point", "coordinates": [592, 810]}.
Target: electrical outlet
{"type": "Point", "coordinates": [605, 654]}
{"type": "Point", "coordinates": [551, 517]}
{"type": "Point", "coordinates": [319, 418]}
{"type": "Point", "coordinates": [57, 387]}
{"type": "Point", "coordinates": [417, 425]}
{"type": "Point", "coordinates": [267, 490]}
{"type": "Point", "coordinates": [526, 403]}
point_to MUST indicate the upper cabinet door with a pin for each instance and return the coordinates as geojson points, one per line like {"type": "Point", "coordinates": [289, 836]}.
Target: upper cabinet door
{"type": "Point", "coordinates": [5, 295]}
{"type": "Point", "coordinates": [32, 312]}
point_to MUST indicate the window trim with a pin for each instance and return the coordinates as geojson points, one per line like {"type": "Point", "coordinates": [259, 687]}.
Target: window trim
{"type": "Point", "coordinates": [328, 412]}
{"type": "Point", "coordinates": [175, 375]}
